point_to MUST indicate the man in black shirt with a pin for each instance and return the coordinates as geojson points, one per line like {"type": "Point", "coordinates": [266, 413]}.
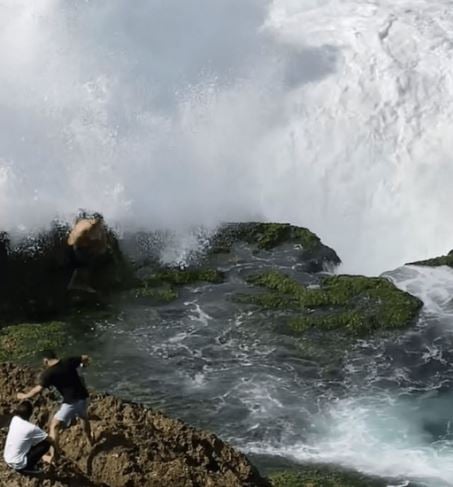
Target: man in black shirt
{"type": "Point", "coordinates": [62, 374]}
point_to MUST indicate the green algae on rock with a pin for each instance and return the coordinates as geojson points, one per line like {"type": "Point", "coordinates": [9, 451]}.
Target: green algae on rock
{"type": "Point", "coordinates": [21, 342]}
{"type": "Point", "coordinates": [436, 261]}
{"type": "Point", "coordinates": [35, 272]}
{"type": "Point", "coordinates": [264, 235]}
{"type": "Point", "coordinates": [161, 294]}
{"type": "Point", "coordinates": [324, 477]}
{"type": "Point", "coordinates": [162, 286]}
{"type": "Point", "coordinates": [268, 236]}
{"type": "Point", "coordinates": [357, 305]}
{"type": "Point", "coordinates": [182, 277]}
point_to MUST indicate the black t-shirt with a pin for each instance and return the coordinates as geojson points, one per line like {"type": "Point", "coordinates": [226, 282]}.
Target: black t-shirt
{"type": "Point", "coordinates": [65, 378]}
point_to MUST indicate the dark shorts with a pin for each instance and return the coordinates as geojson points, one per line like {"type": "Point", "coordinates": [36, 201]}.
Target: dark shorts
{"type": "Point", "coordinates": [82, 257]}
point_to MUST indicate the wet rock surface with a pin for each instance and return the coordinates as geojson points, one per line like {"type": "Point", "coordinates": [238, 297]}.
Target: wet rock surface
{"type": "Point", "coordinates": [292, 315]}
{"type": "Point", "coordinates": [134, 446]}
{"type": "Point", "coordinates": [35, 272]}
{"type": "Point", "coordinates": [356, 305]}
{"type": "Point", "coordinates": [331, 476]}
{"type": "Point", "coordinates": [324, 476]}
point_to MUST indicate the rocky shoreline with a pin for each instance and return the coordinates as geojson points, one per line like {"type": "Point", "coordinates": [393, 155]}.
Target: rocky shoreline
{"type": "Point", "coordinates": [135, 446]}
{"type": "Point", "coordinates": [34, 276]}
{"type": "Point", "coordinates": [139, 447]}
{"type": "Point", "coordinates": [142, 447]}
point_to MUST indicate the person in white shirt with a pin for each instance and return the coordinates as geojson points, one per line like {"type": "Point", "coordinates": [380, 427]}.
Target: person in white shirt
{"type": "Point", "coordinates": [26, 443]}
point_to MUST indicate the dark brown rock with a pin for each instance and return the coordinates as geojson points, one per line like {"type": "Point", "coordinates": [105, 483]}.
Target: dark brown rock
{"type": "Point", "coordinates": [35, 272]}
{"type": "Point", "coordinates": [135, 446]}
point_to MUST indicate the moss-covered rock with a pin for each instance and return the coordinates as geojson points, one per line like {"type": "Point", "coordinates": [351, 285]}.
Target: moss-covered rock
{"type": "Point", "coordinates": [268, 236]}
{"type": "Point", "coordinates": [162, 286]}
{"type": "Point", "coordinates": [184, 277]}
{"type": "Point", "coordinates": [34, 273]}
{"type": "Point", "coordinates": [357, 305]}
{"type": "Point", "coordinates": [24, 341]}
{"type": "Point", "coordinates": [265, 235]}
{"type": "Point", "coordinates": [436, 261]}
{"type": "Point", "coordinates": [324, 477]}
{"type": "Point", "coordinates": [156, 295]}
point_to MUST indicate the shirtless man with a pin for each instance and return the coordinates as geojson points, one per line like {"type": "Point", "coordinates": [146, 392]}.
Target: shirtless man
{"type": "Point", "coordinates": [88, 240]}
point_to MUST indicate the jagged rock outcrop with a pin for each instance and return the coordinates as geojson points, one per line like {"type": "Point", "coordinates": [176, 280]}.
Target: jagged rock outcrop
{"type": "Point", "coordinates": [35, 272]}
{"type": "Point", "coordinates": [135, 447]}
{"type": "Point", "coordinates": [436, 261]}
{"type": "Point", "coordinates": [314, 256]}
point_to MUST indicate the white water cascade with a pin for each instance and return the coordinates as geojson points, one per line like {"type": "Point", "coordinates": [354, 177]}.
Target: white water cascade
{"type": "Point", "coordinates": [331, 114]}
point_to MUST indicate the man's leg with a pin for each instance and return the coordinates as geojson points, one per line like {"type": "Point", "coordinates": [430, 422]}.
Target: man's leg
{"type": "Point", "coordinates": [87, 429]}
{"type": "Point", "coordinates": [36, 453]}
{"type": "Point", "coordinates": [62, 419]}
{"type": "Point", "coordinates": [80, 280]}
{"type": "Point", "coordinates": [82, 261]}
{"type": "Point", "coordinates": [54, 432]}
{"type": "Point", "coordinates": [82, 412]}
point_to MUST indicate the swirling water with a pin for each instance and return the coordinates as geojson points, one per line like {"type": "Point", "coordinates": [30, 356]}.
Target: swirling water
{"type": "Point", "coordinates": [383, 408]}
{"type": "Point", "coordinates": [330, 114]}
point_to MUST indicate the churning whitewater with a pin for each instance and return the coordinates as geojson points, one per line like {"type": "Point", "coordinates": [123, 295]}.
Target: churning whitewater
{"type": "Point", "coordinates": [396, 417]}
{"type": "Point", "coordinates": [334, 115]}
{"type": "Point", "coordinates": [383, 409]}
{"type": "Point", "coordinates": [329, 114]}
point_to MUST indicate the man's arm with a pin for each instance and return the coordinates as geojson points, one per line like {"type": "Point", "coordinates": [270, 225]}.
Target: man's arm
{"type": "Point", "coordinates": [53, 453]}
{"type": "Point", "coordinates": [79, 360]}
{"type": "Point", "coordinates": [53, 443]}
{"type": "Point", "coordinates": [33, 392]}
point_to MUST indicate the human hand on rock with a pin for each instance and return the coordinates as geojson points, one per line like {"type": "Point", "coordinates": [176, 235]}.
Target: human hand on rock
{"type": "Point", "coordinates": [49, 458]}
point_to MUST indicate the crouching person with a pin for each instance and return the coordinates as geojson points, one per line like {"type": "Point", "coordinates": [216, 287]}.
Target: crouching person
{"type": "Point", "coordinates": [62, 374]}
{"type": "Point", "coordinates": [26, 443]}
